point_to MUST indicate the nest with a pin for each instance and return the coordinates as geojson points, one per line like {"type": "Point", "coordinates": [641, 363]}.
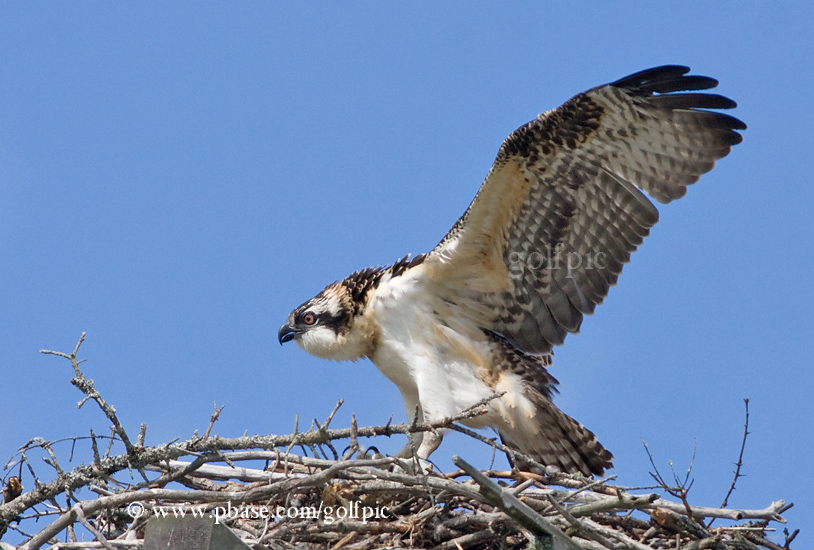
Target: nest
{"type": "Point", "coordinates": [353, 500]}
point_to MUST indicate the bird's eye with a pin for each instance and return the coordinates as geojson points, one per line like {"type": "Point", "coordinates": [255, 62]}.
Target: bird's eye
{"type": "Point", "coordinates": [309, 318]}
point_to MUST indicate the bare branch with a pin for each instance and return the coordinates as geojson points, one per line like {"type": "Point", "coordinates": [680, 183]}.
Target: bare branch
{"type": "Point", "coordinates": [739, 463]}
{"type": "Point", "coordinates": [87, 387]}
{"type": "Point", "coordinates": [213, 419]}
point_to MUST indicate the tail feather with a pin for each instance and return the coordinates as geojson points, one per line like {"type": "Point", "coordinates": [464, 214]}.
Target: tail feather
{"type": "Point", "coordinates": [559, 441]}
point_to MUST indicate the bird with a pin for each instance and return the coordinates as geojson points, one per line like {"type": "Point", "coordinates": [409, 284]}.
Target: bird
{"type": "Point", "coordinates": [558, 215]}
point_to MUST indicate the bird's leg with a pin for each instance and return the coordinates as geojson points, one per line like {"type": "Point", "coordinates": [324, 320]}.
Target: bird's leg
{"type": "Point", "coordinates": [420, 444]}
{"type": "Point", "coordinates": [429, 443]}
{"type": "Point", "coordinates": [414, 443]}
{"type": "Point", "coordinates": [426, 443]}
{"type": "Point", "coordinates": [415, 439]}
{"type": "Point", "coordinates": [420, 447]}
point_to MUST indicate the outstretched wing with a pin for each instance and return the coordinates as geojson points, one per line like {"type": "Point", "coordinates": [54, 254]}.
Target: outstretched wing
{"type": "Point", "coordinates": [562, 208]}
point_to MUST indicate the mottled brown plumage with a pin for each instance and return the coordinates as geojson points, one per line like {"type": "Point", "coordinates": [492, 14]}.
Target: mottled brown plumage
{"type": "Point", "coordinates": [580, 212]}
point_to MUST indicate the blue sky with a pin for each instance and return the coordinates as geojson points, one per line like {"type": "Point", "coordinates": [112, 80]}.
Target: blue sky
{"type": "Point", "coordinates": [175, 178]}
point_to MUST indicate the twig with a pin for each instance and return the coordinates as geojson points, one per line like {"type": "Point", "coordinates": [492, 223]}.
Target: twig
{"type": "Point", "coordinates": [331, 416]}
{"type": "Point", "coordinates": [213, 419]}
{"type": "Point", "coordinates": [80, 515]}
{"type": "Point", "coordinates": [142, 435]}
{"type": "Point", "coordinates": [682, 489]}
{"type": "Point", "coordinates": [582, 529]}
{"type": "Point", "coordinates": [739, 463]}
{"type": "Point", "coordinates": [87, 387]}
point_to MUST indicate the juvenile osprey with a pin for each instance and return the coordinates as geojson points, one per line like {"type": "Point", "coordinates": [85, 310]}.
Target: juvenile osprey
{"type": "Point", "coordinates": [558, 215]}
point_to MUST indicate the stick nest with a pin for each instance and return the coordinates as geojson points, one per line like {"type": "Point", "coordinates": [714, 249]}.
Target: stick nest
{"type": "Point", "coordinates": [272, 494]}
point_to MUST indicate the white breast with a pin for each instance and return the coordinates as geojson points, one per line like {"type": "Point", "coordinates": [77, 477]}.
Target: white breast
{"type": "Point", "coordinates": [433, 365]}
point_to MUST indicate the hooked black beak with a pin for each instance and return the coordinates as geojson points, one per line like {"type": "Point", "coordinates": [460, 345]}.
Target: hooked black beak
{"type": "Point", "coordinates": [287, 333]}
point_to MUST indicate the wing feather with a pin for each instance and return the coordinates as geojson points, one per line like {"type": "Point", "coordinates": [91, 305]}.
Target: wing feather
{"type": "Point", "coordinates": [564, 204]}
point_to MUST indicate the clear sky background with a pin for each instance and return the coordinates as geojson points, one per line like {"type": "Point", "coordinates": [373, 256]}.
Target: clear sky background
{"type": "Point", "coordinates": [175, 178]}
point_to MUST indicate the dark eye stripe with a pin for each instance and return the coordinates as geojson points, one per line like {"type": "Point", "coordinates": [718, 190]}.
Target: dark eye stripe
{"type": "Point", "coordinates": [318, 309]}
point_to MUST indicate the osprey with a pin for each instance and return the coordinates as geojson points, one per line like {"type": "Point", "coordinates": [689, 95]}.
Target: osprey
{"type": "Point", "coordinates": [547, 234]}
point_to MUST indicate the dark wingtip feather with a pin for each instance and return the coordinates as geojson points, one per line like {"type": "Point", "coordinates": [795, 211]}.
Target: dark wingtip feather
{"type": "Point", "coordinates": [738, 124]}
{"type": "Point", "coordinates": [693, 101]}
{"type": "Point", "coordinates": [692, 82]}
{"type": "Point", "coordinates": [721, 121]}
{"type": "Point", "coordinates": [647, 76]}
{"type": "Point", "coordinates": [665, 79]}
